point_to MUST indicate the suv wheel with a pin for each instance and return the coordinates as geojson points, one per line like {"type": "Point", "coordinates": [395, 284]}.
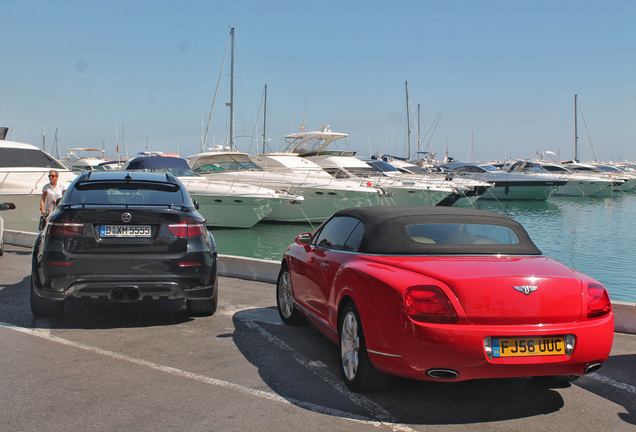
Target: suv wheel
{"type": "Point", "coordinates": [204, 307]}
{"type": "Point", "coordinates": [44, 307]}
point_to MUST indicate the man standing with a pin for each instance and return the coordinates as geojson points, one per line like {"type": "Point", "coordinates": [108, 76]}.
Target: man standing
{"type": "Point", "coordinates": [51, 192]}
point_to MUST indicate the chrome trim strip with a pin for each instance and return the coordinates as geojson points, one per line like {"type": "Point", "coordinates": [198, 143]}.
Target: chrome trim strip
{"type": "Point", "coordinates": [314, 317]}
{"type": "Point", "coordinates": [383, 354]}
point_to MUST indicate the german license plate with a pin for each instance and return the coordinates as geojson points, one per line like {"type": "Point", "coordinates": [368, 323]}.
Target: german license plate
{"type": "Point", "coordinates": [526, 347]}
{"type": "Point", "coordinates": [125, 231]}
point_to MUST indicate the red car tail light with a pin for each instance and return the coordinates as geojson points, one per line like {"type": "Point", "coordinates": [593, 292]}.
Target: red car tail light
{"type": "Point", "coordinates": [598, 302]}
{"type": "Point", "coordinates": [63, 228]}
{"type": "Point", "coordinates": [429, 304]}
{"type": "Point", "coordinates": [191, 227]}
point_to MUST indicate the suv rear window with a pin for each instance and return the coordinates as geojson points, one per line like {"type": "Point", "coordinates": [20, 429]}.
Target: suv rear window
{"type": "Point", "coordinates": [140, 193]}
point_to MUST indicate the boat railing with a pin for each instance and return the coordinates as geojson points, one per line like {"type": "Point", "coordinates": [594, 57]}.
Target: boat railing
{"type": "Point", "coordinates": [10, 176]}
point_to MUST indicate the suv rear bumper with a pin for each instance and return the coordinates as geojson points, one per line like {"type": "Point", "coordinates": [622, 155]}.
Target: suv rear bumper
{"type": "Point", "coordinates": [129, 289]}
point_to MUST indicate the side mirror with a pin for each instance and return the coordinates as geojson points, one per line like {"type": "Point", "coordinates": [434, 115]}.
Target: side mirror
{"type": "Point", "coordinates": [304, 239]}
{"type": "Point", "coordinates": [195, 203]}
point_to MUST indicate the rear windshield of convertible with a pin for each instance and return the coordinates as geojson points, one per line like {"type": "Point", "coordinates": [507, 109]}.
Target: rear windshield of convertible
{"type": "Point", "coordinates": [137, 193]}
{"type": "Point", "coordinates": [451, 233]}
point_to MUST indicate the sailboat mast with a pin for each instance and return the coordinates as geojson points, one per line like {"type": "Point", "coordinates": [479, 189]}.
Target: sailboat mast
{"type": "Point", "coordinates": [408, 125]}
{"type": "Point", "coordinates": [264, 118]}
{"type": "Point", "coordinates": [232, 94]}
{"type": "Point", "coordinates": [576, 135]}
{"type": "Point", "coordinates": [419, 135]}
{"type": "Point", "coordinates": [57, 146]}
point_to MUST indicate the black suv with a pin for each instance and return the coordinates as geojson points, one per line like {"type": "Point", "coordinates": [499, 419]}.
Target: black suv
{"type": "Point", "coordinates": [127, 237]}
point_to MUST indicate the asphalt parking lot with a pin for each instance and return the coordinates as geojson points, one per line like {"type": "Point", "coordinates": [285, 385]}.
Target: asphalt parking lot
{"type": "Point", "coordinates": [103, 367]}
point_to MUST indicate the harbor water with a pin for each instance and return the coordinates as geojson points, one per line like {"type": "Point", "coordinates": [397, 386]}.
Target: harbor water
{"type": "Point", "coordinates": [596, 236]}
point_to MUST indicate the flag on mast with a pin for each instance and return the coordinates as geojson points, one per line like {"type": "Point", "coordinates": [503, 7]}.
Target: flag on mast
{"type": "Point", "coordinates": [117, 139]}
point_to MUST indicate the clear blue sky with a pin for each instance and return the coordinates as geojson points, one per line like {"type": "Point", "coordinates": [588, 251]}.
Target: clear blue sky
{"type": "Point", "coordinates": [502, 72]}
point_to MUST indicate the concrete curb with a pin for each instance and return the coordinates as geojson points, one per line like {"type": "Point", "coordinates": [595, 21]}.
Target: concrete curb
{"type": "Point", "coordinates": [624, 317]}
{"type": "Point", "coordinates": [267, 271]}
{"type": "Point", "coordinates": [19, 238]}
{"type": "Point", "coordinates": [248, 268]}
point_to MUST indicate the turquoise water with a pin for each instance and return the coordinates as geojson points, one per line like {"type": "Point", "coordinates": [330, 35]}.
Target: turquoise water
{"type": "Point", "coordinates": [594, 235]}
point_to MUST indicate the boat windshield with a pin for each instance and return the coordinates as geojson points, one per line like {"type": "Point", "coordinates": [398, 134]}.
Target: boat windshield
{"type": "Point", "coordinates": [310, 145]}
{"type": "Point", "coordinates": [582, 168]}
{"type": "Point", "coordinates": [527, 167]}
{"type": "Point", "coordinates": [27, 158]}
{"type": "Point", "coordinates": [607, 168]}
{"type": "Point", "coordinates": [490, 168]}
{"type": "Point", "coordinates": [382, 166]}
{"type": "Point", "coordinates": [225, 162]}
{"type": "Point", "coordinates": [555, 168]}
{"type": "Point", "coordinates": [179, 172]}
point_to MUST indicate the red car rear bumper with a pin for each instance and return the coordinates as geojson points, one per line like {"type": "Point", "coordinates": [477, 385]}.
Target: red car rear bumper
{"type": "Point", "coordinates": [403, 347]}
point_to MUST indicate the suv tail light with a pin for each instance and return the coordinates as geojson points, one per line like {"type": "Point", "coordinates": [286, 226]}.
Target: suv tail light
{"type": "Point", "coordinates": [598, 302]}
{"type": "Point", "coordinates": [429, 304]}
{"type": "Point", "coordinates": [191, 227]}
{"type": "Point", "coordinates": [60, 227]}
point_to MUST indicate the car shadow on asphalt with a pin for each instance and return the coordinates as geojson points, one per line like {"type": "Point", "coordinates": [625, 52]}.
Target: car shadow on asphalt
{"type": "Point", "coordinates": [92, 314]}
{"type": "Point", "coordinates": [82, 314]}
{"type": "Point", "coordinates": [608, 384]}
{"type": "Point", "coordinates": [302, 366]}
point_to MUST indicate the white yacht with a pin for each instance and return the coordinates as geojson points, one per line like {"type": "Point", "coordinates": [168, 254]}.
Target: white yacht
{"type": "Point", "coordinates": [228, 204]}
{"type": "Point", "coordinates": [81, 159]}
{"type": "Point", "coordinates": [579, 184]}
{"type": "Point", "coordinates": [24, 170]}
{"type": "Point", "coordinates": [313, 145]}
{"type": "Point", "coordinates": [617, 171]}
{"type": "Point", "coordinates": [622, 182]}
{"type": "Point", "coordinates": [323, 194]}
{"type": "Point", "coordinates": [468, 190]}
{"type": "Point", "coordinates": [506, 185]}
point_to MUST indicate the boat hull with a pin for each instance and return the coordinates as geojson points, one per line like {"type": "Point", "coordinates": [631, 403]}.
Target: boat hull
{"type": "Point", "coordinates": [319, 204]}
{"type": "Point", "coordinates": [585, 188]}
{"type": "Point", "coordinates": [26, 215]}
{"type": "Point", "coordinates": [413, 196]}
{"type": "Point", "coordinates": [520, 191]}
{"type": "Point", "coordinates": [234, 211]}
{"type": "Point", "coordinates": [23, 187]}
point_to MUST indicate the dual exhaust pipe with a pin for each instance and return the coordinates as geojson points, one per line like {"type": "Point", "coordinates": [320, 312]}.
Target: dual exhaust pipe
{"type": "Point", "coordinates": [125, 294]}
{"type": "Point", "coordinates": [593, 367]}
{"type": "Point", "coordinates": [449, 374]}
{"type": "Point", "coordinates": [442, 373]}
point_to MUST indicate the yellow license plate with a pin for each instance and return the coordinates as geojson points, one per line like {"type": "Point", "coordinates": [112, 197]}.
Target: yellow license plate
{"type": "Point", "coordinates": [525, 347]}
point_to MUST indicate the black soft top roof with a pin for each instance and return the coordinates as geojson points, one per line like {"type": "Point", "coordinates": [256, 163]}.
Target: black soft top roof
{"type": "Point", "coordinates": [385, 230]}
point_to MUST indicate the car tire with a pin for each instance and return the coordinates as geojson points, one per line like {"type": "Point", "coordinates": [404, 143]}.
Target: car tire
{"type": "Point", "coordinates": [357, 370]}
{"type": "Point", "coordinates": [204, 307]}
{"type": "Point", "coordinates": [556, 379]}
{"type": "Point", "coordinates": [285, 299]}
{"type": "Point", "coordinates": [43, 307]}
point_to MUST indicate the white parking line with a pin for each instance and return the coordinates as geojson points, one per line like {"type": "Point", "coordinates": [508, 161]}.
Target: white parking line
{"type": "Point", "coordinates": [619, 385]}
{"type": "Point", "coordinates": [374, 409]}
{"type": "Point", "coordinates": [44, 334]}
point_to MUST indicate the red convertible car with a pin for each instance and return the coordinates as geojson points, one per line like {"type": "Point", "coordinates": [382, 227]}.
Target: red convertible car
{"type": "Point", "coordinates": [442, 293]}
